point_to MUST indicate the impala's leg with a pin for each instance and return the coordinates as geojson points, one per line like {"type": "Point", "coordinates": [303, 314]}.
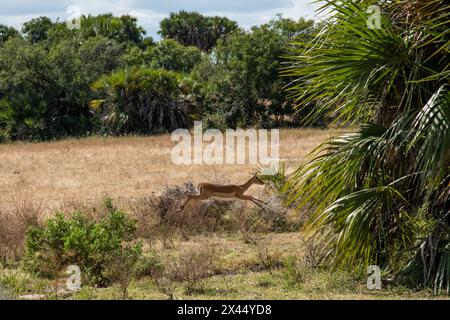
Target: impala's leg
{"type": "Point", "coordinates": [257, 200]}
{"type": "Point", "coordinates": [193, 197]}
{"type": "Point", "coordinates": [259, 203]}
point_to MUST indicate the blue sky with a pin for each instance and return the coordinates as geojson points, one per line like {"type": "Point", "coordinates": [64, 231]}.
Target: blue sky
{"type": "Point", "coordinates": [150, 12]}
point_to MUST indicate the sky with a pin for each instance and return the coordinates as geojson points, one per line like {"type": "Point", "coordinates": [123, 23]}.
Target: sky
{"type": "Point", "coordinates": [150, 12]}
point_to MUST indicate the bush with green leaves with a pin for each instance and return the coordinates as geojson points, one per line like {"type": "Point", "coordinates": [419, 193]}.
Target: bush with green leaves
{"type": "Point", "coordinates": [77, 239]}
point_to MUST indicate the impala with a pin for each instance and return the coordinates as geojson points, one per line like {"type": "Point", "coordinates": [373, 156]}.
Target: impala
{"type": "Point", "coordinates": [227, 192]}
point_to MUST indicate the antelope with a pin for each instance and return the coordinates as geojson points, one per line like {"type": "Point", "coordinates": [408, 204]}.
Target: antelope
{"type": "Point", "coordinates": [227, 192]}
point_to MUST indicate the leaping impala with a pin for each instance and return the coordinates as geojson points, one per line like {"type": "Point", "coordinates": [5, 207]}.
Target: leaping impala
{"type": "Point", "coordinates": [209, 190]}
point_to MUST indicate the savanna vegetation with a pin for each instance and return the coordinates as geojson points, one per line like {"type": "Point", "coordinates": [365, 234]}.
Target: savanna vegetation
{"type": "Point", "coordinates": [372, 191]}
{"type": "Point", "coordinates": [56, 211]}
{"type": "Point", "coordinates": [108, 78]}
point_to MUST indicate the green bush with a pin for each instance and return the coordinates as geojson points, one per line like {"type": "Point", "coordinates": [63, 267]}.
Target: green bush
{"type": "Point", "coordinates": [147, 265]}
{"type": "Point", "coordinates": [78, 239]}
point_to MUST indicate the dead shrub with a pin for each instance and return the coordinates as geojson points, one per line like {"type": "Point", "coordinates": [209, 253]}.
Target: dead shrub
{"type": "Point", "coordinates": [165, 283]}
{"type": "Point", "coordinates": [143, 211]}
{"type": "Point", "coordinates": [268, 257]}
{"type": "Point", "coordinates": [196, 264]}
{"type": "Point", "coordinates": [170, 200]}
{"type": "Point", "coordinates": [164, 276]}
{"type": "Point", "coordinates": [15, 219]}
{"type": "Point", "coordinates": [158, 217]}
{"type": "Point", "coordinates": [197, 217]}
{"type": "Point", "coordinates": [191, 268]}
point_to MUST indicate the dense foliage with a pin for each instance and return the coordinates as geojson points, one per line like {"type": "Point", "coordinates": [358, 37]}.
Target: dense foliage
{"type": "Point", "coordinates": [380, 195]}
{"type": "Point", "coordinates": [79, 240]}
{"type": "Point", "coordinates": [44, 90]}
{"type": "Point", "coordinates": [108, 78]}
{"type": "Point", "coordinates": [6, 33]}
{"type": "Point", "coordinates": [139, 100]}
{"type": "Point", "coordinates": [242, 85]}
{"type": "Point", "coordinates": [170, 55]}
{"type": "Point", "coordinates": [194, 29]}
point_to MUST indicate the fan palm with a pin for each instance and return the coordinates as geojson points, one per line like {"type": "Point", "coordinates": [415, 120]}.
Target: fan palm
{"type": "Point", "coordinates": [140, 100]}
{"type": "Point", "coordinates": [380, 194]}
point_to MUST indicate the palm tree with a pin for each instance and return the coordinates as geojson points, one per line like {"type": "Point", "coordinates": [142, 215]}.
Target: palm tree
{"type": "Point", "coordinates": [140, 100]}
{"type": "Point", "coordinates": [380, 194]}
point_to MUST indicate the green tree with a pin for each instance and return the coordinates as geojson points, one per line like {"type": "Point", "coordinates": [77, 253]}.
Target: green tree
{"type": "Point", "coordinates": [194, 29]}
{"type": "Point", "coordinates": [170, 55]}
{"type": "Point", "coordinates": [380, 194]}
{"type": "Point", "coordinates": [167, 54]}
{"type": "Point", "coordinates": [121, 29]}
{"type": "Point", "coordinates": [45, 91]}
{"type": "Point", "coordinates": [139, 100]}
{"type": "Point", "coordinates": [6, 33]}
{"type": "Point", "coordinates": [37, 29]}
{"type": "Point", "coordinates": [243, 75]}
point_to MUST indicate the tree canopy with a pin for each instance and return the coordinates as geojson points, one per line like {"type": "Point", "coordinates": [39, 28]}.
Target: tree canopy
{"type": "Point", "coordinates": [6, 33]}
{"type": "Point", "coordinates": [194, 29]}
{"type": "Point", "coordinates": [226, 76]}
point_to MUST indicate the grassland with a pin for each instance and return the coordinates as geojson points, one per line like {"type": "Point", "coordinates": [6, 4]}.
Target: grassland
{"type": "Point", "coordinates": [86, 170]}
{"type": "Point", "coordinates": [248, 264]}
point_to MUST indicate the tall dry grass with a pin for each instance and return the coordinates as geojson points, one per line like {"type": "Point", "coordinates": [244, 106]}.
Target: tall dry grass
{"type": "Point", "coordinates": [16, 218]}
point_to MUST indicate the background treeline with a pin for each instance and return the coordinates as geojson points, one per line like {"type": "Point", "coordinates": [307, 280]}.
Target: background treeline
{"type": "Point", "coordinates": [109, 78]}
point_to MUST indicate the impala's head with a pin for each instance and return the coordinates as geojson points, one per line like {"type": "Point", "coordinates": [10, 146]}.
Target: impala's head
{"type": "Point", "coordinates": [257, 180]}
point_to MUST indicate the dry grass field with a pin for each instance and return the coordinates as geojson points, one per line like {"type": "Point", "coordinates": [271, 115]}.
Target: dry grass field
{"type": "Point", "coordinates": [86, 170]}
{"type": "Point", "coordinates": [239, 261]}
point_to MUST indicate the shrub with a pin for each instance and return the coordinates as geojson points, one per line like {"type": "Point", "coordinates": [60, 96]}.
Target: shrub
{"type": "Point", "coordinates": [195, 265]}
{"type": "Point", "coordinates": [146, 265]}
{"type": "Point", "coordinates": [192, 266]}
{"type": "Point", "coordinates": [158, 216]}
{"type": "Point", "coordinates": [165, 283]}
{"type": "Point", "coordinates": [194, 218]}
{"type": "Point", "coordinates": [14, 222]}
{"type": "Point", "coordinates": [164, 277]}
{"type": "Point", "coordinates": [123, 266]}
{"type": "Point", "coordinates": [268, 258]}
{"type": "Point", "coordinates": [77, 239]}
{"type": "Point", "coordinates": [295, 271]}
{"type": "Point", "coordinates": [314, 252]}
